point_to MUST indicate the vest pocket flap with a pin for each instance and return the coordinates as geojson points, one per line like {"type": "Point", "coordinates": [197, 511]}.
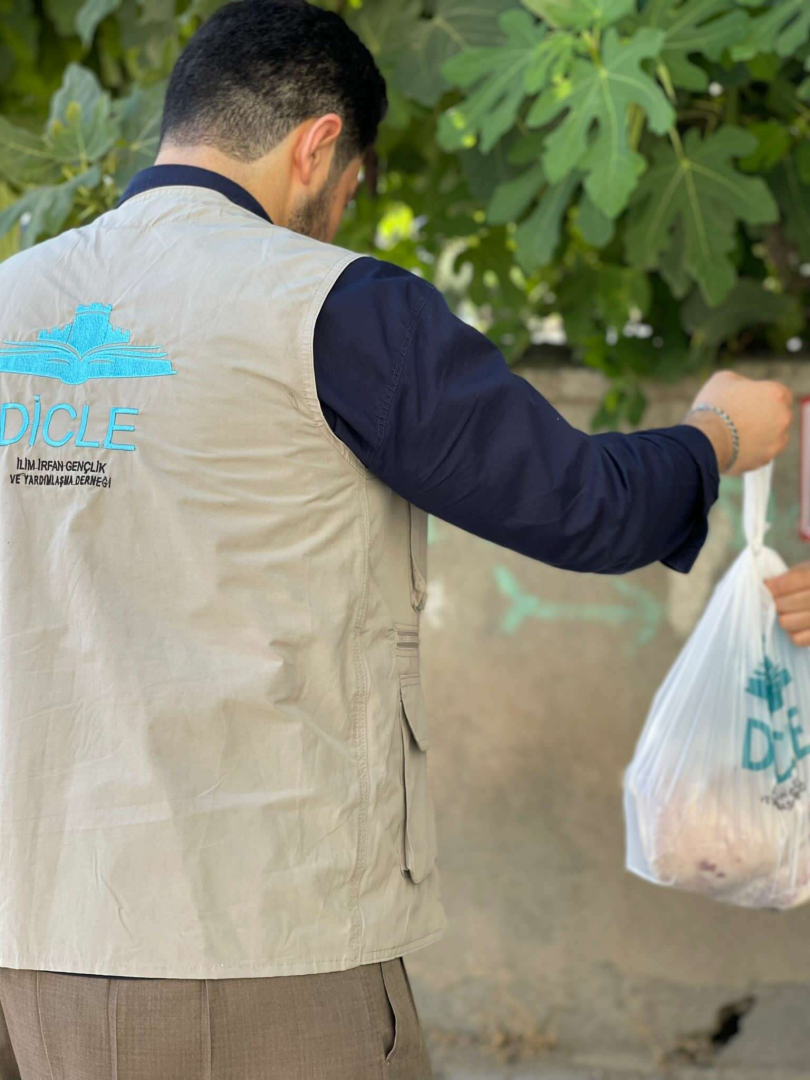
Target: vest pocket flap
{"type": "Point", "coordinates": [420, 848]}
{"type": "Point", "coordinates": [413, 704]}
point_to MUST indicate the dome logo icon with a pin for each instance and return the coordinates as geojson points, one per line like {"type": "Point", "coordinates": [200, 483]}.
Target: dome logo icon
{"type": "Point", "coordinates": [89, 347]}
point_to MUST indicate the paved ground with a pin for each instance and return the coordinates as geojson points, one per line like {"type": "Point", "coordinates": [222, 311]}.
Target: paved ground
{"type": "Point", "coordinates": [574, 1072]}
{"type": "Point", "coordinates": [466, 1064]}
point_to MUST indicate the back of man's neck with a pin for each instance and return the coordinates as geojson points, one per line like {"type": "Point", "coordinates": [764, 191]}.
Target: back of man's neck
{"type": "Point", "coordinates": [206, 157]}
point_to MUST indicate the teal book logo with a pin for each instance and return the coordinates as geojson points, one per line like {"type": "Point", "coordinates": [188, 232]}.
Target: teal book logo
{"type": "Point", "coordinates": [768, 683]}
{"type": "Point", "coordinates": [777, 743]}
{"type": "Point", "coordinates": [89, 347]}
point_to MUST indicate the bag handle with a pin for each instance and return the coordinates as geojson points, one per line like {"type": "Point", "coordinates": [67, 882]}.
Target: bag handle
{"type": "Point", "coordinates": [756, 496]}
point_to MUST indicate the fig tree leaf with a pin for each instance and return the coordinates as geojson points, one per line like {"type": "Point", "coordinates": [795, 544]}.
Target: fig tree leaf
{"type": "Point", "coordinates": [537, 237]}
{"type": "Point", "coordinates": [704, 27]}
{"type": "Point", "coordinates": [773, 144]}
{"type": "Point", "coordinates": [599, 95]}
{"type": "Point", "coordinates": [513, 197]}
{"type": "Point", "coordinates": [503, 76]}
{"type": "Point", "coordinates": [703, 192]}
{"type": "Point", "coordinates": [597, 229]}
{"type": "Point", "coordinates": [80, 128]}
{"type": "Point", "coordinates": [456, 25]}
{"type": "Point", "coordinates": [90, 15]}
{"type": "Point", "coordinates": [43, 210]}
{"type": "Point", "coordinates": [782, 29]}
{"type": "Point", "coordinates": [385, 27]}
{"type": "Point", "coordinates": [139, 115]}
{"type": "Point", "coordinates": [792, 192]}
{"type": "Point", "coordinates": [24, 156]}
{"type": "Point", "coordinates": [748, 304]}
{"type": "Point", "coordinates": [578, 15]}
{"type": "Point", "coordinates": [62, 14]}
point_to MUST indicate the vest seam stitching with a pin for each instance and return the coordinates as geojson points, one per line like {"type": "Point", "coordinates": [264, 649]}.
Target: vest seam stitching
{"type": "Point", "coordinates": [361, 737]}
{"type": "Point", "coordinates": [307, 358]}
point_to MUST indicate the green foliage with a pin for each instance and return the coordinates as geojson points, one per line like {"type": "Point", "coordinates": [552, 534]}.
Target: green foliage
{"type": "Point", "coordinates": [689, 206]}
{"type": "Point", "coordinates": [693, 29]}
{"type": "Point", "coordinates": [46, 207]}
{"type": "Point", "coordinates": [452, 26]}
{"type": "Point", "coordinates": [80, 126]}
{"type": "Point", "coordinates": [506, 73]}
{"type": "Point", "coordinates": [629, 177]}
{"type": "Point", "coordinates": [781, 27]}
{"type": "Point", "coordinates": [594, 136]}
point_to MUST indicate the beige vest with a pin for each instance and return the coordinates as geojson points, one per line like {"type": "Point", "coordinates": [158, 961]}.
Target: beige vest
{"type": "Point", "coordinates": [213, 740]}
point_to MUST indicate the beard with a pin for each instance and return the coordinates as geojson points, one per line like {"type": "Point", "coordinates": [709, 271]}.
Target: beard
{"type": "Point", "coordinates": [311, 217]}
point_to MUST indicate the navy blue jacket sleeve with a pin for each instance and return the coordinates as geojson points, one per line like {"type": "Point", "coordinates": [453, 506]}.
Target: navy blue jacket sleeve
{"type": "Point", "coordinates": [430, 406]}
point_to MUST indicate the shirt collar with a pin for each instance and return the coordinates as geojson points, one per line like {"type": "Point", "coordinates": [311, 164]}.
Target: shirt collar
{"type": "Point", "coordinates": [191, 175]}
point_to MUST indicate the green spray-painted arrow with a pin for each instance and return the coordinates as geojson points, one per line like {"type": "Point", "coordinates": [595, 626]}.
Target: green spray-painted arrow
{"type": "Point", "coordinates": [643, 607]}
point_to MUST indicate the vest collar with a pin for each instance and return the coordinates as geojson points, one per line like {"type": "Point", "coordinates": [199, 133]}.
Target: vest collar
{"type": "Point", "coordinates": [191, 175]}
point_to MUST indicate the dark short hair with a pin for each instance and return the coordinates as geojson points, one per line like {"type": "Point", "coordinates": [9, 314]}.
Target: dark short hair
{"type": "Point", "coordinates": [258, 68]}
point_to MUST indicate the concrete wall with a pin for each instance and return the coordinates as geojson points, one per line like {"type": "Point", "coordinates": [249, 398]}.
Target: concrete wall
{"type": "Point", "coordinates": [537, 684]}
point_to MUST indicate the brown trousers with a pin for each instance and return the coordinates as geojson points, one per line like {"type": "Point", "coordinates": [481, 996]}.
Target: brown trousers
{"type": "Point", "coordinates": [359, 1024]}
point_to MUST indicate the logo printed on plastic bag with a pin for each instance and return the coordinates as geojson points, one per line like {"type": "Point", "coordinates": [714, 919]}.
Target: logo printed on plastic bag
{"type": "Point", "coordinates": [777, 744]}
{"type": "Point", "coordinates": [721, 756]}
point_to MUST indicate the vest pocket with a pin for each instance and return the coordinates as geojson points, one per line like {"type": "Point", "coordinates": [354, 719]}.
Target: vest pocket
{"type": "Point", "coordinates": [420, 848]}
{"type": "Point", "coordinates": [418, 549]}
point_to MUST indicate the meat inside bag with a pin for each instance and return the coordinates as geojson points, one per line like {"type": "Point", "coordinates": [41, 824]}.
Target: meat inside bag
{"type": "Point", "coordinates": [716, 797]}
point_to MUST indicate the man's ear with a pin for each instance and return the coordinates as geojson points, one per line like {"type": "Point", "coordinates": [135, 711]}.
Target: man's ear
{"type": "Point", "coordinates": [315, 149]}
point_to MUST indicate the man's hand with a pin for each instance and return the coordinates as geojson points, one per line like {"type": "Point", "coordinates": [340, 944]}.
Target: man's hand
{"type": "Point", "coordinates": [791, 591]}
{"type": "Point", "coordinates": [761, 411]}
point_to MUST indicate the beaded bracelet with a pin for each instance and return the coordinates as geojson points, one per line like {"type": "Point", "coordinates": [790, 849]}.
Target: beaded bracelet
{"type": "Point", "coordinates": [735, 435]}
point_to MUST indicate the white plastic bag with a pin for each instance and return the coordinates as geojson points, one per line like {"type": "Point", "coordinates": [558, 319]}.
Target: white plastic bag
{"type": "Point", "coordinates": [716, 797]}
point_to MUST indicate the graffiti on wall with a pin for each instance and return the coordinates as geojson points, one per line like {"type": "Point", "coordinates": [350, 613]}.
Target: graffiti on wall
{"type": "Point", "coordinates": [638, 611]}
{"type": "Point", "coordinates": [635, 607]}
